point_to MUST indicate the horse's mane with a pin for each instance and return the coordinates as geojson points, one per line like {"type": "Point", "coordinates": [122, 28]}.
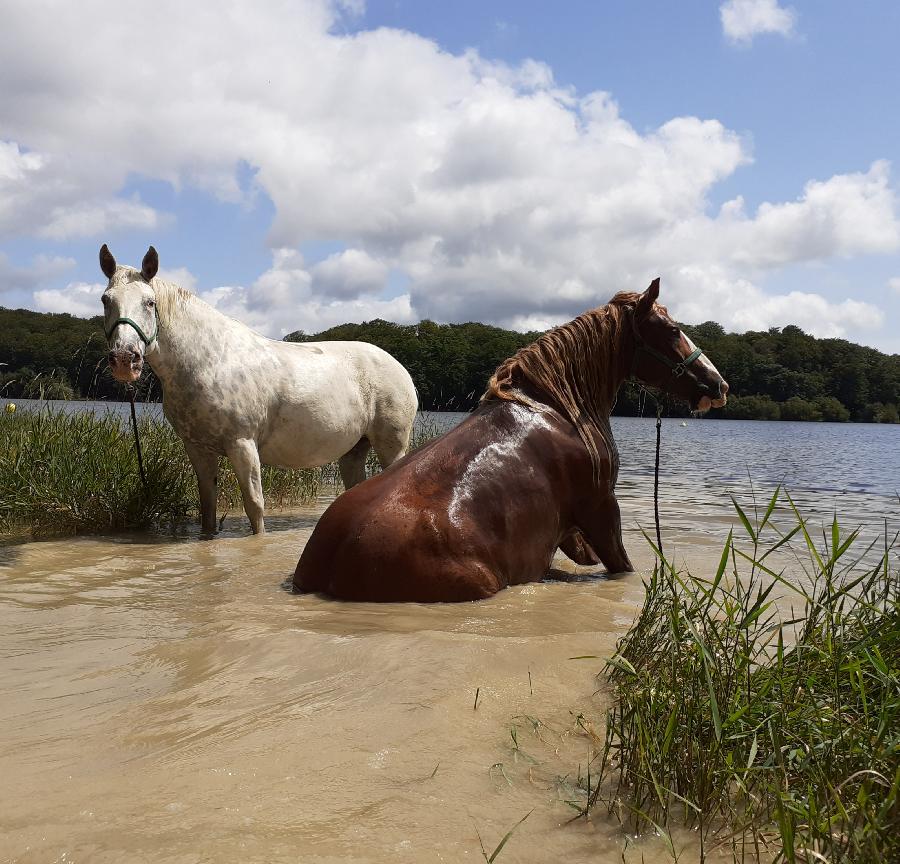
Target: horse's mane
{"type": "Point", "coordinates": [577, 365]}
{"type": "Point", "coordinates": [171, 299]}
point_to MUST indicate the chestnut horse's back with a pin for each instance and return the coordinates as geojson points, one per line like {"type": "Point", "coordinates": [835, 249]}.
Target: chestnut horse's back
{"type": "Point", "coordinates": [416, 533]}
{"type": "Point", "coordinates": [377, 543]}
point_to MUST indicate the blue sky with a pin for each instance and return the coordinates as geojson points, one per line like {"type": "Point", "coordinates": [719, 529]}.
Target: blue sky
{"type": "Point", "coordinates": [302, 164]}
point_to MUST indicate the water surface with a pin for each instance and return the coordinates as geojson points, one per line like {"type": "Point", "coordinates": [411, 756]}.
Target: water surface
{"type": "Point", "coordinates": [166, 700]}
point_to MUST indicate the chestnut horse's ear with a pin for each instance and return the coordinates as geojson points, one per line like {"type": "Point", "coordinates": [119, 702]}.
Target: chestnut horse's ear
{"type": "Point", "coordinates": [150, 264]}
{"type": "Point", "coordinates": [646, 300]}
{"type": "Point", "coordinates": [107, 262]}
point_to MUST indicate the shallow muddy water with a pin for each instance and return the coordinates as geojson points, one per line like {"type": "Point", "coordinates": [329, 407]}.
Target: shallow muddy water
{"type": "Point", "coordinates": [167, 700]}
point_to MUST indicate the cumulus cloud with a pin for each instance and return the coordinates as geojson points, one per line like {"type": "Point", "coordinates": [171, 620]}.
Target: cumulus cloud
{"type": "Point", "coordinates": [497, 194]}
{"type": "Point", "coordinates": [348, 274]}
{"type": "Point", "coordinates": [744, 19]}
{"type": "Point", "coordinates": [54, 196]}
{"type": "Point", "coordinates": [894, 284]}
{"type": "Point", "coordinates": [43, 269]}
{"type": "Point", "coordinates": [77, 298]}
{"type": "Point", "coordinates": [283, 299]}
{"type": "Point", "coordinates": [180, 276]}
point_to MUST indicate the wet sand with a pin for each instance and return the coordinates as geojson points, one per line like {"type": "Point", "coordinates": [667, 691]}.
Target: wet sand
{"type": "Point", "coordinates": [169, 701]}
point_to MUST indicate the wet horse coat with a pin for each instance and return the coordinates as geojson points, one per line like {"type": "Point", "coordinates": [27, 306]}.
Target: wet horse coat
{"type": "Point", "coordinates": [229, 391]}
{"type": "Point", "coordinates": [533, 469]}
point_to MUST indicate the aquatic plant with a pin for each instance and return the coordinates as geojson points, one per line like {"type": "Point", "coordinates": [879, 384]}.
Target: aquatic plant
{"type": "Point", "coordinates": [78, 473]}
{"type": "Point", "coordinates": [776, 740]}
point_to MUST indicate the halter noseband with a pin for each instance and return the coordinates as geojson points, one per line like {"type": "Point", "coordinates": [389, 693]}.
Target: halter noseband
{"type": "Point", "coordinates": [145, 339]}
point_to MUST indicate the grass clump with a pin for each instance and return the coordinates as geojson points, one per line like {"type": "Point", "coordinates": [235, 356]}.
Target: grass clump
{"type": "Point", "coordinates": [774, 740]}
{"type": "Point", "coordinates": [78, 473]}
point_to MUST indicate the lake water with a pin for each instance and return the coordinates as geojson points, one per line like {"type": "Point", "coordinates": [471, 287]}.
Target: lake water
{"type": "Point", "coordinates": [852, 469]}
{"type": "Point", "coordinates": [165, 699]}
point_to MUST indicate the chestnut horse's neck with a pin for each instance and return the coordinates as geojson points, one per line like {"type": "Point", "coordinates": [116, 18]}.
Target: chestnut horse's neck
{"type": "Point", "coordinates": [577, 368]}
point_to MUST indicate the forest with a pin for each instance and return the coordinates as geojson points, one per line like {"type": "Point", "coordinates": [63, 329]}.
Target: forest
{"type": "Point", "coordinates": [777, 374]}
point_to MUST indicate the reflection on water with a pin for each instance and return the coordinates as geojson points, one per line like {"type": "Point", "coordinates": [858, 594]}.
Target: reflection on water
{"type": "Point", "coordinates": [167, 700]}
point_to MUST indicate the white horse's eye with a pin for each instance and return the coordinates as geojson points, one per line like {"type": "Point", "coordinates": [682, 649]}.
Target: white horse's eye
{"type": "Point", "coordinates": [150, 303]}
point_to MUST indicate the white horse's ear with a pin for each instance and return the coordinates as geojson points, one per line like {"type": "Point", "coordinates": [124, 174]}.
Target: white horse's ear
{"type": "Point", "coordinates": [647, 299]}
{"type": "Point", "coordinates": [150, 264]}
{"type": "Point", "coordinates": [107, 262]}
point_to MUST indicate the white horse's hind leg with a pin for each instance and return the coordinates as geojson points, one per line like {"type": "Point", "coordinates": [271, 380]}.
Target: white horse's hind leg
{"type": "Point", "coordinates": [245, 459]}
{"type": "Point", "coordinates": [391, 444]}
{"type": "Point", "coordinates": [206, 466]}
{"type": "Point", "coordinates": [353, 463]}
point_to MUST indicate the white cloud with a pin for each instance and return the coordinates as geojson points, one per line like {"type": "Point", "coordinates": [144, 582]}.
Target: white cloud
{"type": "Point", "coordinates": [282, 299]}
{"type": "Point", "coordinates": [744, 19]}
{"type": "Point", "coordinates": [180, 276]}
{"type": "Point", "coordinates": [713, 294]}
{"type": "Point", "coordinates": [348, 274]}
{"type": "Point", "coordinates": [57, 197]}
{"type": "Point", "coordinates": [93, 218]}
{"type": "Point", "coordinates": [77, 298]}
{"type": "Point", "coordinates": [43, 269]}
{"type": "Point", "coordinates": [894, 284]}
{"type": "Point", "coordinates": [497, 194]}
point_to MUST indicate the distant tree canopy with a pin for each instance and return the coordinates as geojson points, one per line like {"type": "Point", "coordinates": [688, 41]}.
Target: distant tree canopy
{"type": "Point", "coordinates": [777, 374]}
{"type": "Point", "coordinates": [449, 363]}
{"type": "Point", "coordinates": [55, 356]}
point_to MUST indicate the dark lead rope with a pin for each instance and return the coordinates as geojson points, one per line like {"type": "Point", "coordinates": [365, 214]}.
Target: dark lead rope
{"type": "Point", "coordinates": [656, 480]}
{"type": "Point", "coordinates": [137, 442]}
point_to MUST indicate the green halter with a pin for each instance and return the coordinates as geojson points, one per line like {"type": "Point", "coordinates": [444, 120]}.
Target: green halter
{"type": "Point", "coordinates": [145, 339]}
{"type": "Point", "coordinates": [678, 369]}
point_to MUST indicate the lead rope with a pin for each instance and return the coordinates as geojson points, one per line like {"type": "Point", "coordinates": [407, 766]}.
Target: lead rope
{"type": "Point", "coordinates": [137, 443]}
{"type": "Point", "coordinates": [656, 480]}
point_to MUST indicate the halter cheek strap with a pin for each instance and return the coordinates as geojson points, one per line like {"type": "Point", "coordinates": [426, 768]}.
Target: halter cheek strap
{"type": "Point", "coordinates": [678, 369]}
{"type": "Point", "coordinates": [144, 338]}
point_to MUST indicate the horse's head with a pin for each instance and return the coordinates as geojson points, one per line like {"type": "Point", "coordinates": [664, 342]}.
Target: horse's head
{"type": "Point", "coordinates": [666, 358]}
{"type": "Point", "coordinates": [129, 313]}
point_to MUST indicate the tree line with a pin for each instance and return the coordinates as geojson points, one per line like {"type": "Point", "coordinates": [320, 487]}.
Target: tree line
{"type": "Point", "coordinates": [776, 374]}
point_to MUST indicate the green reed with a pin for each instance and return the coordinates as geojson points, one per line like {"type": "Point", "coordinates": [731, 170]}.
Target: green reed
{"type": "Point", "coordinates": [773, 740]}
{"type": "Point", "coordinates": [78, 473]}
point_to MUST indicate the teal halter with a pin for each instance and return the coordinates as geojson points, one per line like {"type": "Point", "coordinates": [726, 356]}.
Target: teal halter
{"type": "Point", "coordinates": [678, 369]}
{"type": "Point", "coordinates": [144, 338]}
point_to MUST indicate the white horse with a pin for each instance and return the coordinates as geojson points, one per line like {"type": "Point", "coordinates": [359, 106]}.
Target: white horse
{"type": "Point", "coordinates": [229, 391]}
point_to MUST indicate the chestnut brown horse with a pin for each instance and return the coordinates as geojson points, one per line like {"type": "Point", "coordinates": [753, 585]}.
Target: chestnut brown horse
{"type": "Point", "coordinates": [532, 469]}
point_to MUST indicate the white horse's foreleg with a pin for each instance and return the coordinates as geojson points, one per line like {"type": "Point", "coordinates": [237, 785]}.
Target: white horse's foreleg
{"type": "Point", "coordinates": [206, 466]}
{"type": "Point", "coordinates": [245, 459]}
